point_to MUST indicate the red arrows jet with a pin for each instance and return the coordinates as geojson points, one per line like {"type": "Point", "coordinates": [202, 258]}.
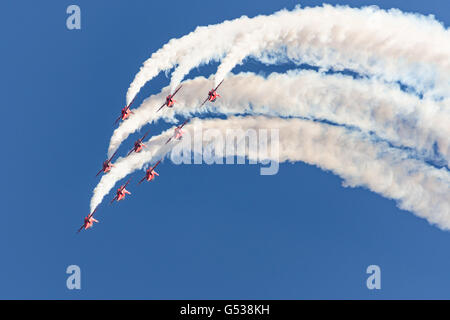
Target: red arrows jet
{"type": "Point", "coordinates": [212, 95]}
{"type": "Point", "coordinates": [178, 134]}
{"type": "Point", "coordinates": [138, 145]}
{"type": "Point", "coordinates": [88, 221]}
{"type": "Point", "coordinates": [169, 100]}
{"type": "Point", "coordinates": [150, 173]}
{"type": "Point", "coordinates": [107, 165]}
{"type": "Point", "coordinates": [121, 192]}
{"type": "Point", "coordinates": [125, 113]}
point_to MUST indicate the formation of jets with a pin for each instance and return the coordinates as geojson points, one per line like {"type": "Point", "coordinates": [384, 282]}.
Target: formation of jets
{"type": "Point", "coordinates": [138, 146]}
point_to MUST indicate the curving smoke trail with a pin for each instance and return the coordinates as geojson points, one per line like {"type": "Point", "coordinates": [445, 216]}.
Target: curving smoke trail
{"type": "Point", "coordinates": [370, 105]}
{"type": "Point", "coordinates": [391, 45]}
{"type": "Point", "coordinates": [353, 155]}
{"type": "Point", "coordinates": [387, 128]}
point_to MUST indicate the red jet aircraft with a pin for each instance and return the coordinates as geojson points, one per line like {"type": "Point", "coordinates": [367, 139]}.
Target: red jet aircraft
{"type": "Point", "coordinates": [178, 134]}
{"type": "Point", "coordinates": [107, 165]}
{"type": "Point", "coordinates": [125, 113]}
{"type": "Point", "coordinates": [138, 145]}
{"type": "Point", "coordinates": [150, 173]}
{"type": "Point", "coordinates": [121, 192]}
{"type": "Point", "coordinates": [212, 95]}
{"type": "Point", "coordinates": [88, 221]}
{"type": "Point", "coordinates": [169, 100]}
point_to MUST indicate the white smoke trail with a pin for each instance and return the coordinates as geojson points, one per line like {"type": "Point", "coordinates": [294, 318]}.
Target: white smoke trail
{"type": "Point", "coordinates": [392, 45]}
{"type": "Point", "coordinates": [352, 155]}
{"type": "Point", "coordinates": [370, 105]}
{"type": "Point", "coordinates": [385, 46]}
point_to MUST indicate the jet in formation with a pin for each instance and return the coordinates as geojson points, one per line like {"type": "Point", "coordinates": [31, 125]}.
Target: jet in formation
{"type": "Point", "coordinates": [178, 134]}
{"type": "Point", "coordinates": [150, 173]}
{"type": "Point", "coordinates": [107, 165]}
{"type": "Point", "coordinates": [212, 94]}
{"type": "Point", "coordinates": [169, 100]}
{"type": "Point", "coordinates": [88, 221]}
{"type": "Point", "coordinates": [125, 113]}
{"type": "Point", "coordinates": [138, 145]}
{"type": "Point", "coordinates": [121, 192]}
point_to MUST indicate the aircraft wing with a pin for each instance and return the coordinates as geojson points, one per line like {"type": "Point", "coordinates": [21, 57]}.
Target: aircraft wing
{"type": "Point", "coordinates": [142, 139]}
{"type": "Point", "coordinates": [142, 179]}
{"type": "Point", "coordinates": [183, 124]}
{"type": "Point", "coordinates": [92, 214]}
{"type": "Point", "coordinates": [161, 107]}
{"type": "Point", "coordinates": [176, 91]}
{"type": "Point", "coordinates": [125, 185]}
{"type": "Point", "coordinates": [109, 160]}
{"type": "Point", "coordinates": [81, 228]}
{"type": "Point", "coordinates": [99, 172]}
{"type": "Point", "coordinates": [218, 85]}
{"type": "Point", "coordinates": [156, 164]}
{"type": "Point", "coordinates": [128, 106]}
{"type": "Point", "coordinates": [204, 102]}
{"type": "Point", "coordinates": [168, 140]}
{"type": "Point", "coordinates": [113, 199]}
{"type": "Point", "coordinates": [118, 119]}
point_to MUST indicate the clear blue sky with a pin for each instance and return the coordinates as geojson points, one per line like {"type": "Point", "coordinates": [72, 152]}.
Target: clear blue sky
{"type": "Point", "coordinates": [229, 232]}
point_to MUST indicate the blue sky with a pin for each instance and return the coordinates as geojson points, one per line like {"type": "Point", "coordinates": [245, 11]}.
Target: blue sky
{"type": "Point", "coordinates": [228, 232]}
